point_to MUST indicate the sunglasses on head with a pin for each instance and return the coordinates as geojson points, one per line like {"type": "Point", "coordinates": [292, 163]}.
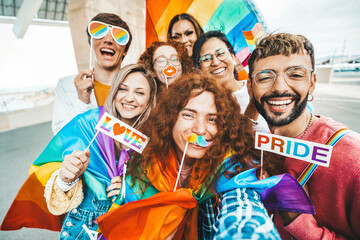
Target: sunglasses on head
{"type": "Point", "coordinates": [98, 30]}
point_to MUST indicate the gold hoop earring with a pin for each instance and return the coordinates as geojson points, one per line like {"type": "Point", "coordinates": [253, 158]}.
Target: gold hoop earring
{"type": "Point", "coordinates": [310, 98]}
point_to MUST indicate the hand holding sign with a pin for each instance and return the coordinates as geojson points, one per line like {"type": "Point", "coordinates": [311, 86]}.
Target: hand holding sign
{"type": "Point", "coordinates": [74, 165]}
{"type": "Point", "coordinates": [84, 84]}
{"type": "Point", "coordinates": [114, 188]}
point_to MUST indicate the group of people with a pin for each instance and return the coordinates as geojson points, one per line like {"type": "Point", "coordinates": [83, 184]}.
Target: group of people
{"type": "Point", "coordinates": [210, 188]}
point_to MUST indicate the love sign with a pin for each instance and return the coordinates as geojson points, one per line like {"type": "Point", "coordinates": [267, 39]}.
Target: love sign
{"type": "Point", "coordinates": [295, 148]}
{"type": "Point", "coordinates": [122, 132]}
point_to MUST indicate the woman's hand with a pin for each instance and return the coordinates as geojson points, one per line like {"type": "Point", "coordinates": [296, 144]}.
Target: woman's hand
{"type": "Point", "coordinates": [114, 188]}
{"type": "Point", "coordinates": [264, 175]}
{"type": "Point", "coordinates": [74, 165]}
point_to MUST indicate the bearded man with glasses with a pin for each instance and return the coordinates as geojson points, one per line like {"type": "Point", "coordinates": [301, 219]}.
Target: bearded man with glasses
{"type": "Point", "coordinates": [282, 76]}
{"type": "Point", "coordinates": [109, 38]}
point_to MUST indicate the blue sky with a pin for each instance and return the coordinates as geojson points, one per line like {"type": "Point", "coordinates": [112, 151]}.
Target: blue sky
{"type": "Point", "coordinates": [332, 26]}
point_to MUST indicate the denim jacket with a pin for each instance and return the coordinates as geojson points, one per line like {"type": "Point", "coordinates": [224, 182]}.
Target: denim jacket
{"type": "Point", "coordinates": [86, 213]}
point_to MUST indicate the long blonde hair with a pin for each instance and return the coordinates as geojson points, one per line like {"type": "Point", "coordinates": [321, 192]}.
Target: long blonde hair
{"type": "Point", "coordinates": [119, 78]}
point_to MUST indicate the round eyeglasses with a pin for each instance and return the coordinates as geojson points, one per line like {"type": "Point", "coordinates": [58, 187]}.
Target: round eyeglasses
{"type": "Point", "coordinates": [162, 61]}
{"type": "Point", "coordinates": [221, 54]}
{"type": "Point", "coordinates": [294, 76]}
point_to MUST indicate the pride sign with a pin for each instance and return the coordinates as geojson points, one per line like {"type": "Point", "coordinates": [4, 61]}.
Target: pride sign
{"type": "Point", "coordinates": [291, 147]}
{"type": "Point", "coordinates": [122, 132]}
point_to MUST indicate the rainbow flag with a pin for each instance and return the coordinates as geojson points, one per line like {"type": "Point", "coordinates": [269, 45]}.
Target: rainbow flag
{"type": "Point", "coordinates": [159, 211]}
{"type": "Point", "coordinates": [29, 209]}
{"type": "Point", "coordinates": [240, 20]}
{"type": "Point", "coordinates": [280, 192]}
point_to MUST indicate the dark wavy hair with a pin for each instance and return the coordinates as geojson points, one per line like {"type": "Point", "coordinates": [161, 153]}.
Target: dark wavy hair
{"type": "Point", "coordinates": [200, 42]}
{"type": "Point", "coordinates": [281, 44]}
{"type": "Point", "coordinates": [114, 20]}
{"type": "Point", "coordinates": [206, 36]}
{"type": "Point", "coordinates": [147, 57]}
{"type": "Point", "coordinates": [185, 16]}
{"type": "Point", "coordinates": [235, 131]}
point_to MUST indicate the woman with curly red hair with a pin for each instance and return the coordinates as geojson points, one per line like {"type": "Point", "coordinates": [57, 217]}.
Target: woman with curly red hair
{"type": "Point", "coordinates": [166, 184]}
{"type": "Point", "coordinates": [160, 55]}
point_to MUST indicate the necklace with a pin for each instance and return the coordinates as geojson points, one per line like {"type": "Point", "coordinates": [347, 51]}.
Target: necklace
{"type": "Point", "coordinates": [307, 127]}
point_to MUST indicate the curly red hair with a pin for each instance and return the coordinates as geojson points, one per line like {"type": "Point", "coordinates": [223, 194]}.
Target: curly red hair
{"type": "Point", "coordinates": [147, 57]}
{"type": "Point", "coordinates": [235, 131]}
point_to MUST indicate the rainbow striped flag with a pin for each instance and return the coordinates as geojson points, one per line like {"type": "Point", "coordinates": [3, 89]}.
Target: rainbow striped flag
{"type": "Point", "coordinates": [240, 20]}
{"type": "Point", "coordinates": [280, 192]}
{"type": "Point", "coordinates": [29, 209]}
{"type": "Point", "coordinates": [159, 211]}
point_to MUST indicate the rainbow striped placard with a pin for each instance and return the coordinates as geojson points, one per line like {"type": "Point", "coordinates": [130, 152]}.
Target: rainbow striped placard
{"type": "Point", "coordinates": [312, 152]}
{"type": "Point", "coordinates": [310, 169]}
{"type": "Point", "coordinates": [122, 132]}
{"type": "Point", "coordinates": [240, 20]}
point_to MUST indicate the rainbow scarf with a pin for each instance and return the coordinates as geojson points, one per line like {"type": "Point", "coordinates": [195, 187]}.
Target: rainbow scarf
{"type": "Point", "coordinates": [29, 209]}
{"type": "Point", "coordinates": [160, 211]}
{"type": "Point", "coordinates": [240, 20]}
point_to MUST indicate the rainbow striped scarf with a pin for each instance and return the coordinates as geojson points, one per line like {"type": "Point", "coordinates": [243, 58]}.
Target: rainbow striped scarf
{"type": "Point", "coordinates": [159, 212]}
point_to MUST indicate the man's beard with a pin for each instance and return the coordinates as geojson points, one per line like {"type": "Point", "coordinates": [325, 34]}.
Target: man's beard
{"type": "Point", "coordinates": [278, 121]}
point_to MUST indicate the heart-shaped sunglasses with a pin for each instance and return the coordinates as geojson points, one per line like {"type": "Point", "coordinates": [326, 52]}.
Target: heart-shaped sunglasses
{"type": "Point", "coordinates": [98, 30]}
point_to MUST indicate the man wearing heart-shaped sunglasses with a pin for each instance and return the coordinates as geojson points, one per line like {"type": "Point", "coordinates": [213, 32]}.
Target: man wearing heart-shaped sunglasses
{"type": "Point", "coordinates": [109, 38]}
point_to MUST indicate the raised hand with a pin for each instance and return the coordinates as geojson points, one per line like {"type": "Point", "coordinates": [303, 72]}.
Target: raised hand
{"type": "Point", "coordinates": [84, 84]}
{"type": "Point", "coordinates": [74, 165]}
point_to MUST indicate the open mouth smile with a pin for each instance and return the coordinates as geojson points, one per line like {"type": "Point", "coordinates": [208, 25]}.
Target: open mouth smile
{"type": "Point", "coordinates": [107, 52]}
{"type": "Point", "coordinates": [128, 107]}
{"type": "Point", "coordinates": [218, 71]}
{"type": "Point", "coordinates": [279, 105]}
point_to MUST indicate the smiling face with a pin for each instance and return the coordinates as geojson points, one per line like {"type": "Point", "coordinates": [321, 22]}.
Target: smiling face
{"type": "Point", "coordinates": [222, 70]}
{"type": "Point", "coordinates": [280, 104]}
{"type": "Point", "coordinates": [199, 117]}
{"type": "Point", "coordinates": [184, 31]}
{"type": "Point", "coordinates": [132, 97]}
{"type": "Point", "coordinates": [109, 54]}
{"type": "Point", "coordinates": [167, 52]}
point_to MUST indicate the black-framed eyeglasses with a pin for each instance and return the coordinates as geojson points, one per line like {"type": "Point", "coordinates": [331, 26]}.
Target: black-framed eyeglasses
{"type": "Point", "coordinates": [221, 54]}
{"type": "Point", "coordinates": [163, 61]}
{"type": "Point", "coordinates": [294, 76]}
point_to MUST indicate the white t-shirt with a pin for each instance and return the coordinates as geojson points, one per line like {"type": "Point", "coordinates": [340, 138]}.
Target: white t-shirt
{"type": "Point", "coordinates": [243, 98]}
